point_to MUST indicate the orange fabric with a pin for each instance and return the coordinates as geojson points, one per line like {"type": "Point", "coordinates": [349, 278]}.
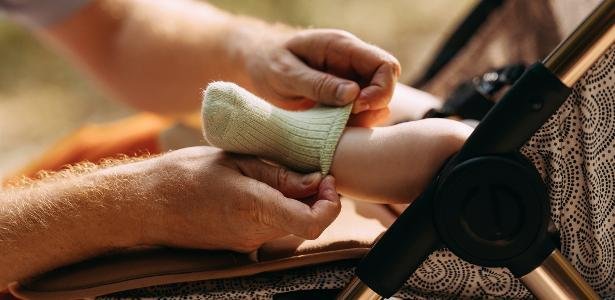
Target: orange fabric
{"type": "Point", "coordinates": [131, 136]}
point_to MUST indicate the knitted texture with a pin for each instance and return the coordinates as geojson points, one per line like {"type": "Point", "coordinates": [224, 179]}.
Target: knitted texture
{"type": "Point", "coordinates": [237, 121]}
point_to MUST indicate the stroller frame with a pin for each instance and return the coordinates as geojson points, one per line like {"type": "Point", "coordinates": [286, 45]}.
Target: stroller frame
{"type": "Point", "coordinates": [488, 204]}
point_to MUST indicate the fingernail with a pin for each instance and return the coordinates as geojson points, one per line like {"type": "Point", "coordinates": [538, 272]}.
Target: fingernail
{"type": "Point", "coordinates": [328, 184]}
{"type": "Point", "coordinates": [330, 180]}
{"type": "Point", "coordinates": [330, 193]}
{"type": "Point", "coordinates": [345, 92]}
{"type": "Point", "coordinates": [311, 179]}
{"type": "Point", "coordinates": [361, 106]}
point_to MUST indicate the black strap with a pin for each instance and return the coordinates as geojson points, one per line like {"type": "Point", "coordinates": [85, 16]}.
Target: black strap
{"type": "Point", "coordinates": [459, 38]}
{"type": "Point", "coordinates": [472, 99]}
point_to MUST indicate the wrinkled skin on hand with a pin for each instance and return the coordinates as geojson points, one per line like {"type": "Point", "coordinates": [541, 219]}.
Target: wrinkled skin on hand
{"type": "Point", "coordinates": [332, 67]}
{"type": "Point", "coordinates": [215, 200]}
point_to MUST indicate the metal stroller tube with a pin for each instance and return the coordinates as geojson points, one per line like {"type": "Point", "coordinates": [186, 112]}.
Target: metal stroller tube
{"type": "Point", "coordinates": [577, 53]}
{"type": "Point", "coordinates": [425, 226]}
{"type": "Point", "coordinates": [358, 290]}
{"type": "Point", "coordinates": [556, 278]}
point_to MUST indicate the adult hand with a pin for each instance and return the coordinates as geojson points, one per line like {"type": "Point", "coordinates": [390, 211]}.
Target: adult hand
{"type": "Point", "coordinates": [216, 200]}
{"type": "Point", "coordinates": [332, 67]}
{"type": "Point", "coordinates": [194, 197]}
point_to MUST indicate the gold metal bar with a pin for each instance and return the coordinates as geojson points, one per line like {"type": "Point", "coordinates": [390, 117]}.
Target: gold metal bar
{"type": "Point", "coordinates": [556, 278]}
{"type": "Point", "coordinates": [575, 55]}
{"type": "Point", "coordinates": [357, 290]}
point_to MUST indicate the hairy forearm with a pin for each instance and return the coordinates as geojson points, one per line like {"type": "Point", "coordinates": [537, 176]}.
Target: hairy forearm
{"type": "Point", "coordinates": [62, 220]}
{"type": "Point", "coordinates": [157, 55]}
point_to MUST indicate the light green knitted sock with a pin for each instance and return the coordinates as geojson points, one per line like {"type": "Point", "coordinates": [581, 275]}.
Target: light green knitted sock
{"type": "Point", "coordinates": [238, 121]}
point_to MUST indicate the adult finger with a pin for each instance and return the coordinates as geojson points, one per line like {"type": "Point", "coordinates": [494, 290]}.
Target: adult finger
{"type": "Point", "coordinates": [298, 218]}
{"type": "Point", "coordinates": [327, 47]}
{"type": "Point", "coordinates": [380, 89]}
{"type": "Point", "coordinates": [345, 53]}
{"type": "Point", "coordinates": [318, 86]}
{"type": "Point", "coordinates": [369, 118]}
{"type": "Point", "coordinates": [289, 183]}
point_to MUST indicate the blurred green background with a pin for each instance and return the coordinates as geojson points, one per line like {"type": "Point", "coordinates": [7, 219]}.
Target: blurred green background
{"type": "Point", "coordinates": [42, 98]}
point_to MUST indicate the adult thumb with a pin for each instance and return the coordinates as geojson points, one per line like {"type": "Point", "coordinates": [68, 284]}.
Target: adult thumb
{"type": "Point", "coordinates": [321, 87]}
{"type": "Point", "coordinates": [289, 183]}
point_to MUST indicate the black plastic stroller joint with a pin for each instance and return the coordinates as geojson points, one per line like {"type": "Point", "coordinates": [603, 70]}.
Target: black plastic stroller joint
{"type": "Point", "coordinates": [493, 211]}
{"type": "Point", "coordinates": [488, 205]}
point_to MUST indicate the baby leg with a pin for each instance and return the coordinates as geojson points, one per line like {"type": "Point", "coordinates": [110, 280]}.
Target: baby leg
{"type": "Point", "coordinates": [394, 164]}
{"type": "Point", "coordinates": [409, 104]}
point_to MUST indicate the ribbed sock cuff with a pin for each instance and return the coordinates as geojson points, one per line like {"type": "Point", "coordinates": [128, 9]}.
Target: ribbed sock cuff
{"type": "Point", "coordinates": [238, 121]}
{"type": "Point", "coordinates": [330, 145]}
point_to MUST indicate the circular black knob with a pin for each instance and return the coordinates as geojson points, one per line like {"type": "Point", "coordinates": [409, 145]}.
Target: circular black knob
{"type": "Point", "coordinates": [489, 210]}
{"type": "Point", "coordinates": [493, 213]}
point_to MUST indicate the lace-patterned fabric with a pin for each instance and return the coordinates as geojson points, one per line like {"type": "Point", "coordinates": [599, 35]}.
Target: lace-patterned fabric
{"type": "Point", "coordinates": [574, 152]}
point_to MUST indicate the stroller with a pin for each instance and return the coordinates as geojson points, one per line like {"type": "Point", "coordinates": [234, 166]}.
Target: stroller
{"type": "Point", "coordinates": [488, 206]}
